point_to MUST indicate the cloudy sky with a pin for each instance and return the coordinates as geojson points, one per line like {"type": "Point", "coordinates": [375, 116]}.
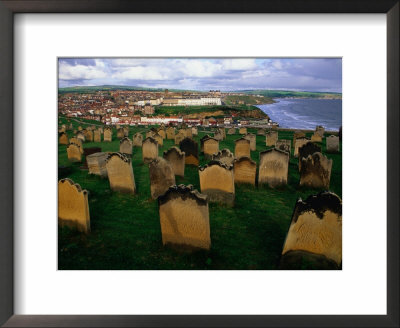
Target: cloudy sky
{"type": "Point", "coordinates": [205, 73]}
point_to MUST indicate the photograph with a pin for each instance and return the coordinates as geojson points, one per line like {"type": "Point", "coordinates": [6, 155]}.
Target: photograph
{"type": "Point", "coordinates": [199, 163]}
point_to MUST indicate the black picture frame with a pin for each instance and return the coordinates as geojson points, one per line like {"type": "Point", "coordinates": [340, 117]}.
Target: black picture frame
{"type": "Point", "coordinates": [10, 7]}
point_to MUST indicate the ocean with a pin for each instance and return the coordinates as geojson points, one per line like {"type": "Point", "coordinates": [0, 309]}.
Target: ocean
{"type": "Point", "coordinates": [305, 113]}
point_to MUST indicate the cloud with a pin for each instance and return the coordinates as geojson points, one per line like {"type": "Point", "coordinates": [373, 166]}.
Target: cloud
{"type": "Point", "coordinates": [80, 72]}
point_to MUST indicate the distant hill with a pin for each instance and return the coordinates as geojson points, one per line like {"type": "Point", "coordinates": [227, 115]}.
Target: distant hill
{"type": "Point", "coordinates": [94, 89]}
{"type": "Point", "coordinates": [294, 94]}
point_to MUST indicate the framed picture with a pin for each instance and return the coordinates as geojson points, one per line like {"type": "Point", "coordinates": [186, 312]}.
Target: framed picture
{"type": "Point", "coordinates": [208, 87]}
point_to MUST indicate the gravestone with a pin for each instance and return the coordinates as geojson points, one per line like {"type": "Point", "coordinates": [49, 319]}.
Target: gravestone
{"type": "Point", "coordinates": [243, 131]}
{"type": "Point", "coordinates": [80, 135]}
{"type": "Point", "coordinates": [63, 139]}
{"type": "Point", "coordinates": [210, 147]}
{"type": "Point", "coordinates": [189, 133]}
{"type": "Point", "coordinates": [194, 131]}
{"type": "Point", "coordinates": [315, 233]}
{"type": "Point", "coordinates": [184, 217]}
{"type": "Point", "coordinates": [149, 150]}
{"type": "Point", "coordinates": [100, 128]}
{"type": "Point", "coordinates": [120, 133]}
{"type": "Point", "coordinates": [299, 143]}
{"type": "Point", "coordinates": [320, 130]}
{"type": "Point", "coordinates": [150, 133]}
{"type": "Point", "coordinates": [191, 150]}
{"type": "Point", "coordinates": [107, 134]}
{"type": "Point", "coordinates": [217, 182]}
{"type": "Point", "coordinates": [179, 137]}
{"type": "Point", "coordinates": [87, 152]}
{"type": "Point", "coordinates": [159, 139]}
{"type": "Point", "coordinates": [182, 131]}
{"type": "Point", "coordinates": [137, 140]}
{"type": "Point", "coordinates": [252, 138]}
{"type": "Point", "coordinates": [125, 146]}
{"type": "Point", "coordinates": [224, 156]}
{"type": "Point", "coordinates": [202, 142]}
{"type": "Point", "coordinates": [77, 142]}
{"type": "Point", "coordinates": [297, 135]}
{"type": "Point", "coordinates": [231, 131]}
{"type": "Point", "coordinates": [73, 206]}
{"type": "Point", "coordinates": [284, 145]}
{"type": "Point", "coordinates": [97, 136]}
{"type": "Point", "coordinates": [218, 135]}
{"type": "Point", "coordinates": [79, 128]}
{"type": "Point", "coordinates": [161, 132]}
{"type": "Point", "coordinates": [223, 133]}
{"type": "Point", "coordinates": [307, 149]}
{"type": "Point", "coordinates": [161, 177]}
{"type": "Point", "coordinates": [126, 131]}
{"type": "Point", "coordinates": [316, 137]}
{"type": "Point", "coordinates": [120, 173]}
{"type": "Point", "coordinates": [88, 135]}
{"type": "Point", "coordinates": [315, 171]}
{"type": "Point", "coordinates": [171, 133]}
{"type": "Point", "coordinates": [274, 168]}
{"type": "Point", "coordinates": [74, 153]}
{"type": "Point", "coordinates": [271, 138]}
{"type": "Point", "coordinates": [97, 164]}
{"type": "Point", "coordinates": [242, 147]}
{"type": "Point", "coordinates": [244, 170]}
{"type": "Point", "coordinates": [177, 160]}
{"type": "Point", "coordinates": [261, 132]}
{"type": "Point", "coordinates": [332, 144]}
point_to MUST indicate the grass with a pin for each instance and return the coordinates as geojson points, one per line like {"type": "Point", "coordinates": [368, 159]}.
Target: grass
{"type": "Point", "coordinates": [126, 229]}
{"type": "Point", "coordinates": [186, 110]}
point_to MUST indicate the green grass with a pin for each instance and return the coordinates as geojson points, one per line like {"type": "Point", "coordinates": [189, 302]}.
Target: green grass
{"type": "Point", "coordinates": [186, 110]}
{"type": "Point", "coordinates": [126, 229]}
{"type": "Point", "coordinates": [300, 94]}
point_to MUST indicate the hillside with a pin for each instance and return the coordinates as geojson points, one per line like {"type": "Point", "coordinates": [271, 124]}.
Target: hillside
{"type": "Point", "coordinates": [248, 100]}
{"type": "Point", "coordinates": [294, 94]}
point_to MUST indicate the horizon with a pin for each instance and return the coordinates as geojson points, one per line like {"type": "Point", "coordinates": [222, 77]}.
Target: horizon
{"type": "Point", "coordinates": [203, 74]}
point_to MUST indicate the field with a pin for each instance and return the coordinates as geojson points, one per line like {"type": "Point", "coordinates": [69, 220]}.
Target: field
{"type": "Point", "coordinates": [126, 231]}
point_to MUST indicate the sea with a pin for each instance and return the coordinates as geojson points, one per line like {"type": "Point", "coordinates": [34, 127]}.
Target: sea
{"type": "Point", "coordinates": [305, 113]}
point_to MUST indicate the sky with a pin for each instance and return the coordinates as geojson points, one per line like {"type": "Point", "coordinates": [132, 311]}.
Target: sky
{"type": "Point", "coordinates": [203, 74]}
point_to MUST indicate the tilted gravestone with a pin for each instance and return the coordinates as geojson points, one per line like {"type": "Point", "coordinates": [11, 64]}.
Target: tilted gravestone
{"type": "Point", "coordinates": [242, 147]}
{"type": "Point", "coordinates": [63, 139]}
{"type": "Point", "coordinates": [231, 131]}
{"type": "Point", "coordinates": [299, 143]}
{"type": "Point", "coordinates": [184, 217]}
{"type": "Point", "coordinates": [252, 138]}
{"type": "Point", "coordinates": [97, 164]}
{"type": "Point", "coordinates": [149, 150]}
{"type": "Point", "coordinates": [284, 145]}
{"type": "Point", "coordinates": [210, 147]}
{"type": "Point", "coordinates": [243, 131]}
{"type": "Point", "coordinates": [97, 136]}
{"type": "Point", "coordinates": [244, 170]}
{"type": "Point", "coordinates": [73, 206]}
{"type": "Point", "coordinates": [271, 138]}
{"type": "Point", "coordinates": [161, 177]}
{"type": "Point", "coordinates": [320, 130]}
{"type": "Point", "coordinates": [308, 148]}
{"type": "Point", "coordinates": [74, 153]}
{"type": "Point", "coordinates": [120, 173]}
{"type": "Point", "coordinates": [274, 168]}
{"type": "Point", "coordinates": [191, 150]}
{"type": "Point", "coordinates": [137, 140]}
{"type": "Point", "coordinates": [107, 134]}
{"type": "Point", "coordinates": [315, 233]}
{"type": "Point", "coordinates": [177, 160]}
{"type": "Point", "coordinates": [217, 182]}
{"type": "Point", "coordinates": [171, 133]}
{"type": "Point", "coordinates": [125, 146]}
{"type": "Point", "coordinates": [224, 156]}
{"type": "Point", "coordinates": [80, 135]}
{"type": "Point", "coordinates": [316, 137]}
{"type": "Point", "coordinates": [315, 171]}
{"type": "Point", "coordinates": [87, 152]}
{"type": "Point", "coordinates": [332, 144]}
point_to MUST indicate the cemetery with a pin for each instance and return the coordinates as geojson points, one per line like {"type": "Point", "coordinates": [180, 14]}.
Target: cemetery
{"type": "Point", "coordinates": [198, 198]}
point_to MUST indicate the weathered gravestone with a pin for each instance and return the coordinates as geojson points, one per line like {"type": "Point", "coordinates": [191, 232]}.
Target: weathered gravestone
{"type": "Point", "coordinates": [125, 146]}
{"type": "Point", "coordinates": [149, 150]}
{"type": "Point", "coordinates": [244, 170]}
{"type": "Point", "coordinates": [63, 139]}
{"type": "Point", "coordinates": [126, 131]}
{"type": "Point", "coordinates": [284, 145]}
{"type": "Point", "coordinates": [316, 137]}
{"type": "Point", "coordinates": [120, 133]}
{"type": "Point", "coordinates": [73, 206]}
{"type": "Point", "coordinates": [80, 135]}
{"type": "Point", "coordinates": [261, 132]}
{"type": "Point", "coordinates": [223, 133]}
{"type": "Point", "coordinates": [231, 131]}
{"type": "Point", "coordinates": [315, 234]}
{"type": "Point", "coordinates": [243, 131]}
{"type": "Point", "coordinates": [137, 140]}
{"type": "Point", "coordinates": [182, 131]}
{"type": "Point", "coordinates": [315, 171]}
{"type": "Point", "coordinates": [161, 132]}
{"type": "Point", "coordinates": [242, 147]}
{"type": "Point", "coordinates": [271, 138]}
{"type": "Point", "coordinates": [97, 136]}
{"type": "Point", "coordinates": [274, 168]}
{"type": "Point", "coordinates": [332, 144]}
{"type": "Point", "coordinates": [88, 135]}
{"type": "Point", "coordinates": [202, 141]}
{"type": "Point", "coordinates": [74, 153]}
{"type": "Point", "coordinates": [307, 149]}
{"type": "Point", "coordinates": [120, 173]}
{"type": "Point", "coordinates": [179, 137]}
{"type": "Point", "coordinates": [97, 164]}
{"type": "Point", "coordinates": [100, 128]}
{"type": "Point", "coordinates": [298, 135]}
{"type": "Point", "coordinates": [159, 139]}
{"type": "Point", "coordinates": [224, 156]}
{"type": "Point", "coordinates": [107, 134]}
{"type": "Point", "coordinates": [218, 135]}
{"type": "Point", "coordinates": [177, 160]}
{"type": "Point", "coordinates": [77, 142]}
{"type": "Point", "coordinates": [194, 131]}
{"type": "Point", "coordinates": [161, 177]}
{"type": "Point", "coordinates": [217, 182]}
{"type": "Point", "coordinates": [171, 133]}
{"type": "Point", "coordinates": [320, 130]}
{"type": "Point", "coordinates": [184, 217]}
{"type": "Point", "coordinates": [87, 152]}
{"type": "Point", "coordinates": [299, 143]}
{"type": "Point", "coordinates": [191, 150]}
{"type": "Point", "coordinates": [150, 133]}
{"type": "Point", "coordinates": [252, 138]}
{"type": "Point", "coordinates": [210, 147]}
{"type": "Point", "coordinates": [189, 133]}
